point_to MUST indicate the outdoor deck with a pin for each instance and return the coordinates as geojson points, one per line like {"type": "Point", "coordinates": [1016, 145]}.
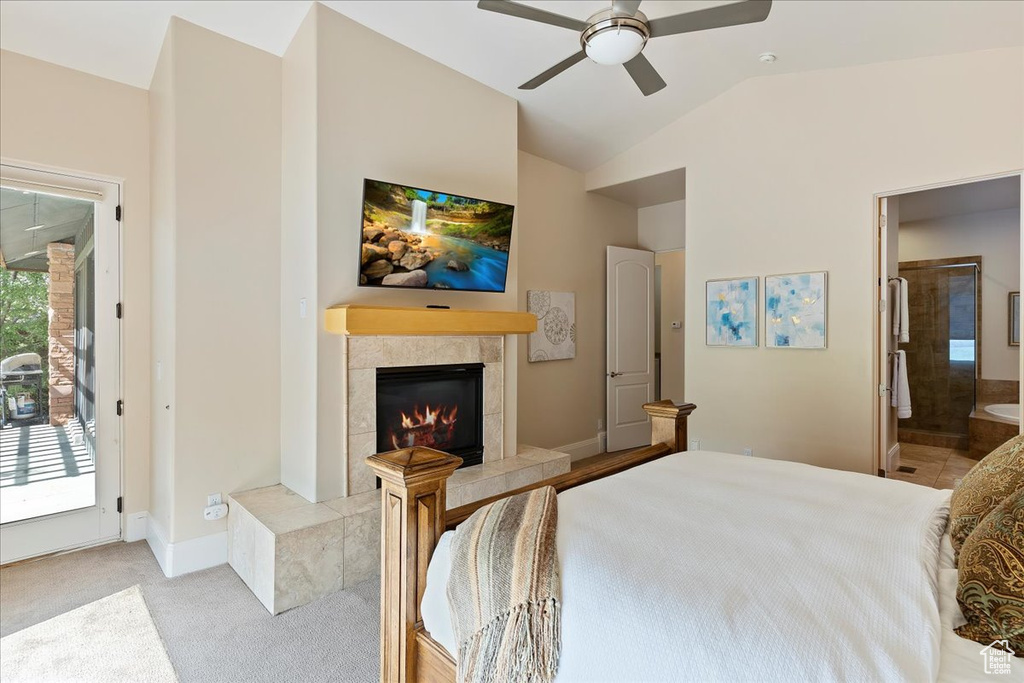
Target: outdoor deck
{"type": "Point", "coordinates": [43, 472]}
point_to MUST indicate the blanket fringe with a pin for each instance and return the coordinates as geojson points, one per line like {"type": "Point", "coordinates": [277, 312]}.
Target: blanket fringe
{"type": "Point", "coordinates": [482, 659]}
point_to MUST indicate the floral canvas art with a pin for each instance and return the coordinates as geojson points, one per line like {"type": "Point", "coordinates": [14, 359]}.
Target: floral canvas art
{"type": "Point", "coordinates": [794, 310]}
{"type": "Point", "coordinates": [732, 312]}
{"type": "Point", "coordinates": [555, 338]}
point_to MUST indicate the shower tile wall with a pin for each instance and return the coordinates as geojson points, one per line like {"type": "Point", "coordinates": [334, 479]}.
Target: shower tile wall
{"type": "Point", "coordinates": [942, 387]}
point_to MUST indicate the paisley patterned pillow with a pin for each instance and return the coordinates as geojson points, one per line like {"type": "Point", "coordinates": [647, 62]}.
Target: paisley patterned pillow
{"type": "Point", "coordinates": [990, 585]}
{"type": "Point", "coordinates": [999, 474]}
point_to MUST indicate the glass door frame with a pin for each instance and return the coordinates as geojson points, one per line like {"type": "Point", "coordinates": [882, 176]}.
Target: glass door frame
{"type": "Point", "coordinates": [101, 522]}
{"type": "Point", "coordinates": [974, 263]}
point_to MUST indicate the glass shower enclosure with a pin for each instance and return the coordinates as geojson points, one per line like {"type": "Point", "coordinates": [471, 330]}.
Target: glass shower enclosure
{"type": "Point", "coordinates": [944, 350]}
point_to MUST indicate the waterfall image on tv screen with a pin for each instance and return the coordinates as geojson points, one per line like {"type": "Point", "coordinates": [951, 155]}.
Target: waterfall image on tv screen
{"type": "Point", "coordinates": [431, 240]}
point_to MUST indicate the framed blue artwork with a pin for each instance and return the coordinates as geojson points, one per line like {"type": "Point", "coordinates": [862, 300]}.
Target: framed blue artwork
{"type": "Point", "coordinates": [795, 308]}
{"type": "Point", "coordinates": [732, 312]}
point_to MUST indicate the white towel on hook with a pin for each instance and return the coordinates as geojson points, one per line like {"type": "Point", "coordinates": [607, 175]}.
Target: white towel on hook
{"type": "Point", "coordinates": [900, 386]}
{"type": "Point", "coordinates": [894, 305]}
{"type": "Point", "coordinates": [901, 312]}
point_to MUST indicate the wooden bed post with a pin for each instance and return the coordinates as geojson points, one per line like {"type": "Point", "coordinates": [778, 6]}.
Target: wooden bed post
{"type": "Point", "coordinates": [668, 423]}
{"type": "Point", "coordinates": [413, 519]}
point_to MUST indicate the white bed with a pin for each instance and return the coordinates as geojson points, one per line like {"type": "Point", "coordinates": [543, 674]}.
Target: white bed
{"type": "Point", "coordinates": [716, 567]}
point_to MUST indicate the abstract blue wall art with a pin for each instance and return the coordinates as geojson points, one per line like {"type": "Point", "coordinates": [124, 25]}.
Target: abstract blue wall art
{"type": "Point", "coordinates": [795, 310]}
{"type": "Point", "coordinates": [732, 312]}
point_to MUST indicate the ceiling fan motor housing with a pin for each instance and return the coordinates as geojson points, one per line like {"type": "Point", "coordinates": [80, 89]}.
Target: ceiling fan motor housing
{"type": "Point", "coordinates": [613, 37]}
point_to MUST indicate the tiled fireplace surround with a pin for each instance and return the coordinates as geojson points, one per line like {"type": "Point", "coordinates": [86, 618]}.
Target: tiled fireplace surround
{"type": "Point", "coordinates": [290, 551]}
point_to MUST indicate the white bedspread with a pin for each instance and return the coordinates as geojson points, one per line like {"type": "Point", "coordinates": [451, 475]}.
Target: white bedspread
{"type": "Point", "coordinates": [715, 567]}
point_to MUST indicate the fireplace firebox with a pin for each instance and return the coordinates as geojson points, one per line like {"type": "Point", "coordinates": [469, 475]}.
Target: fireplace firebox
{"type": "Point", "coordinates": [437, 406]}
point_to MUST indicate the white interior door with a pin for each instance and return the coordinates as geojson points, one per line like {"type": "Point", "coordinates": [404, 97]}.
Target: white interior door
{"type": "Point", "coordinates": [630, 353]}
{"type": "Point", "coordinates": [885, 341]}
{"type": "Point", "coordinates": [62, 468]}
{"type": "Point", "coordinates": [888, 267]}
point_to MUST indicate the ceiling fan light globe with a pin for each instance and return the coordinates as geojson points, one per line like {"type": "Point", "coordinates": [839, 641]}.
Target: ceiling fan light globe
{"type": "Point", "coordinates": [614, 45]}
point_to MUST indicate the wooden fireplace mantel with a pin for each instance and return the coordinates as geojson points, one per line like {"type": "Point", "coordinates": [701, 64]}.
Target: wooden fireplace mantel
{"type": "Point", "coordinates": [355, 319]}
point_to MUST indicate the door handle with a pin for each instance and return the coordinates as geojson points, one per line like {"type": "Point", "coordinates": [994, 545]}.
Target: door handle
{"type": "Point", "coordinates": [614, 374]}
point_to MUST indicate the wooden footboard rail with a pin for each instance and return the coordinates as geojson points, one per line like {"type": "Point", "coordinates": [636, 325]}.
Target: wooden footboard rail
{"type": "Point", "coordinates": [414, 517]}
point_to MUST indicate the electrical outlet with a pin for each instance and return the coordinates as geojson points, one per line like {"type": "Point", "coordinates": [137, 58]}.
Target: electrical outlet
{"type": "Point", "coordinates": [694, 444]}
{"type": "Point", "coordinates": [213, 499]}
{"type": "Point", "coordinates": [749, 452]}
{"type": "Point", "coordinates": [213, 512]}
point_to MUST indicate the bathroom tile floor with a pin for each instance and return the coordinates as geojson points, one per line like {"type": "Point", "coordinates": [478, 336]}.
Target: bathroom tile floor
{"type": "Point", "coordinates": [937, 467]}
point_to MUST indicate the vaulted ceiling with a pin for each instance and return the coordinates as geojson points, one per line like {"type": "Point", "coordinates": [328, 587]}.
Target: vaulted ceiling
{"type": "Point", "coordinates": [582, 117]}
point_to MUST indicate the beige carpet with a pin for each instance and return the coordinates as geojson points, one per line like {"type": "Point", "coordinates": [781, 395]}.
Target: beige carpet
{"type": "Point", "coordinates": [110, 640]}
{"type": "Point", "coordinates": [214, 628]}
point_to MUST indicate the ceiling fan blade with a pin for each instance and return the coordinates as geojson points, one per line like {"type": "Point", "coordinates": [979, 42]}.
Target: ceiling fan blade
{"type": "Point", "coordinates": [514, 9]}
{"type": "Point", "coordinates": [626, 6]}
{"type": "Point", "coordinates": [746, 12]}
{"type": "Point", "coordinates": [644, 75]}
{"type": "Point", "coordinates": [553, 71]}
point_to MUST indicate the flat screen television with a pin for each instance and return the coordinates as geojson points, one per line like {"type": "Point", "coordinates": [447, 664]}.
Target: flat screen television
{"type": "Point", "coordinates": [423, 239]}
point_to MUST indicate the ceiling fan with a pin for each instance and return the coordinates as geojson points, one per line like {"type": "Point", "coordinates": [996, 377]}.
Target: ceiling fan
{"type": "Point", "coordinates": [618, 35]}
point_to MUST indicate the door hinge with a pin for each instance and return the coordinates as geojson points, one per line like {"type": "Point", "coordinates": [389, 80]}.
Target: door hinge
{"type": "Point", "coordinates": [120, 407]}
{"type": "Point", "coordinates": [881, 306]}
{"type": "Point", "coordinates": [120, 503]}
{"type": "Point", "coordinates": [118, 310]}
{"type": "Point", "coordinates": [881, 220]}
{"type": "Point", "coordinates": [117, 213]}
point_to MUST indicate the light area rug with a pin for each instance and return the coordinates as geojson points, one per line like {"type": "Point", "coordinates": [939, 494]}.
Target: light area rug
{"type": "Point", "coordinates": [110, 640]}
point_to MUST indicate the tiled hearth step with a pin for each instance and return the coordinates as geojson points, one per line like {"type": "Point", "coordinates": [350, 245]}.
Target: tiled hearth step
{"type": "Point", "coordinates": [491, 478]}
{"type": "Point", "coordinates": [290, 551]}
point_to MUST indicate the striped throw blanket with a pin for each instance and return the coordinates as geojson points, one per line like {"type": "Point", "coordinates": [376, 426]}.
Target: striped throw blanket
{"type": "Point", "coordinates": [503, 591]}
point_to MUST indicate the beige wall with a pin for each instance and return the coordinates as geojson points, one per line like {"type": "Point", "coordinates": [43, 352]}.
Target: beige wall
{"type": "Point", "coordinates": [995, 235]}
{"type": "Point", "coordinates": [662, 227]}
{"type": "Point", "coordinates": [672, 266]}
{"type": "Point", "coordinates": [781, 173]}
{"type": "Point", "coordinates": [562, 236]}
{"type": "Point", "coordinates": [55, 117]}
{"type": "Point", "coordinates": [162, 186]}
{"type": "Point", "coordinates": [299, 260]}
{"type": "Point", "coordinates": [384, 111]}
{"type": "Point", "coordinates": [220, 103]}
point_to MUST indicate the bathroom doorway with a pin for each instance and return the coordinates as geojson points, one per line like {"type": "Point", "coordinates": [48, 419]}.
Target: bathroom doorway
{"type": "Point", "coordinates": [949, 265]}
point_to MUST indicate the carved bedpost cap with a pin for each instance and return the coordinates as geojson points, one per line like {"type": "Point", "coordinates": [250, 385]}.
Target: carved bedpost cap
{"type": "Point", "coordinates": [413, 465]}
{"type": "Point", "coordinates": [669, 409]}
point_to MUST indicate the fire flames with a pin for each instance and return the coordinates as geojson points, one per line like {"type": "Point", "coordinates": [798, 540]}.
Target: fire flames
{"type": "Point", "coordinates": [430, 427]}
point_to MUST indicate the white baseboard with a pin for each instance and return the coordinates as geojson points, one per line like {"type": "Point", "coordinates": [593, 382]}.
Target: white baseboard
{"type": "Point", "coordinates": [584, 449]}
{"type": "Point", "coordinates": [157, 539]}
{"type": "Point", "coordinates": [892, 459]}
{"type": "Point", "coordinates": [136, 527]}
{"type": "Point", "coordinates": [188, 556]}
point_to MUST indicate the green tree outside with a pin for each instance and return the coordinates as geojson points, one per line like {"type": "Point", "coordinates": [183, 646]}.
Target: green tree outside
{"type": "Point", "coordinates": [24, 323]}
